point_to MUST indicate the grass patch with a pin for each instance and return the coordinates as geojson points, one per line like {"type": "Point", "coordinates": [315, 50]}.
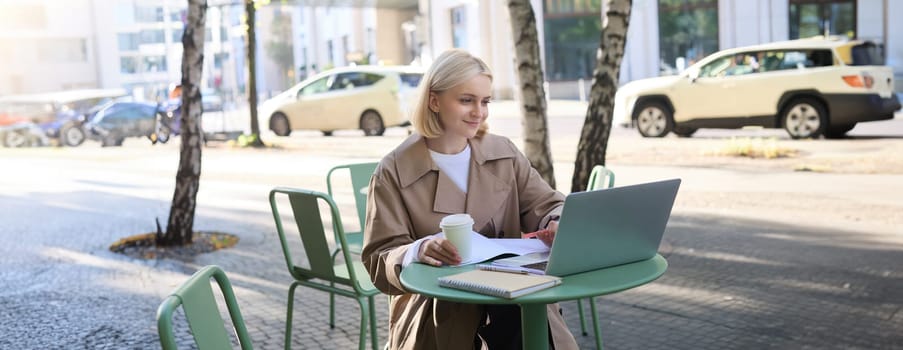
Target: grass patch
{"type": "Point", "coordinates": [755, 148]}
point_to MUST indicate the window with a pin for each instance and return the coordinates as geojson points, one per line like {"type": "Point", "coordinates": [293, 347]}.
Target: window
{"type": "Point", "coordinates": [411, 79]}
{"type": "Point", "coordinates": [152, 36]}
{"type": "Point", "coordinates": [572, 38]}
{"type": "Point", "coordinates": [177, 35]}
{"type": "Point", "coordinates": [128, 41]}
{"type": "Point", "coordinates": [688, 32]}
{"type": "Point", "coordinates": [354, 80]}
{"type": "Point", "coordinates": [178, 15]}
{"type": "Point", "coordinates": [822, 17]}
{"type": "Point", "coordinates": [867, 54]}
{"type": "Point", "coordinates": [316, 87]}
{"type": "Point", "coordinates": [128, 65]}
{"type": "Point", "coordinates": [148, 14]}
{"type": "Point", "coordinates": [154, 64]}
{"type": "Point", "coordinates": [459, 26]}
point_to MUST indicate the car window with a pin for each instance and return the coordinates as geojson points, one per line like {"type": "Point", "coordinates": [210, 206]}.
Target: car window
{"type": "Point", "coordinates": [315, 87]}
{"type": "Point", "coordinates": [411, 79]}
{"type": "Point", "coordinates": [866, 54]}
{"type": "Point", "coordinates": [716, 68]}
{"type": "Point", "coordinates": [808, 59]}
{"type": "Point", "coordinates": [352, 80]}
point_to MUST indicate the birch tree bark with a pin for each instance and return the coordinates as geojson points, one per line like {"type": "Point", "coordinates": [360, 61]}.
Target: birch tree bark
{"type": "Point", "coordinates": [533, 98]}
{"type": "Point", "coordinates": [179, 227]}
{"type": "Point", "coordinates": [597, 124]}
{"type": "Point", "coordinates": [251, 12]}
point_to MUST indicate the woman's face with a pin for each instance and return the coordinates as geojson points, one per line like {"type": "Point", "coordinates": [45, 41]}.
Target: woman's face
{"type": "Point", "coordinates": [464, 107]}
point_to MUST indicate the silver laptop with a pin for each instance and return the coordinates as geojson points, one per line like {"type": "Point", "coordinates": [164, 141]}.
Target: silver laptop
{"type": "Point", "coordinates": [604, 228]}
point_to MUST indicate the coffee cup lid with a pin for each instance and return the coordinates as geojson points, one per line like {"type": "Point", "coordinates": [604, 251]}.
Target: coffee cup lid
{"type": "Point", "coordinates": [456, 220]}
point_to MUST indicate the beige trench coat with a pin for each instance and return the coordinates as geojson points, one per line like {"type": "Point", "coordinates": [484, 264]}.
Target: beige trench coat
{"type": "Point", "coordinates": [409, 195]}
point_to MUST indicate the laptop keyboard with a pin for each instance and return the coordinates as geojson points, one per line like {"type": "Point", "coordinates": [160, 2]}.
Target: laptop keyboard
{"type": "Point", "coordinates": [537, 266]}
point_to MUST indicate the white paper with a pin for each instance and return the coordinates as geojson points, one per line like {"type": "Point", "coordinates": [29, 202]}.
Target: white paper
{"type": "Point", "coordinates": [483, 248]}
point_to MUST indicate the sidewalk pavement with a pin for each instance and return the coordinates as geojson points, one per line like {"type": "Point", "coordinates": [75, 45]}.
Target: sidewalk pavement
{"type": "Point", "coordinates": [758, 258]}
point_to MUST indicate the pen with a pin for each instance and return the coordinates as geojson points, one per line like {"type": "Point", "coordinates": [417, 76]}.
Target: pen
{"type": "Point", "coordinates": [501, 269]}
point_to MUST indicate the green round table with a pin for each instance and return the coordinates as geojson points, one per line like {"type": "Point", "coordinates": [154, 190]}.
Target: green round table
{"type": "Point", "coordinates": [423, 279]}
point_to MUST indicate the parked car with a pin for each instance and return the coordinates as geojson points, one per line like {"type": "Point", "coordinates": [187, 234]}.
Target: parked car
{"type": "Point", "coordinates": [211, 101]}
{"type": "Point", "coordinates": [114, 122]}
{"type": "Point", "coordinates": [810, 87]}
{"type": "Point", "coordinates": [59, 114]}
{"type": "Point", "coordinates": [369, 98]}
{"type": "Point", "coordinates": [19, 132]}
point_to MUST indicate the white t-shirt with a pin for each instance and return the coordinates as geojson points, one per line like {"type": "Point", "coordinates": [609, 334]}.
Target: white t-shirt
{"type": "Point", "coordinates": [457, 168]}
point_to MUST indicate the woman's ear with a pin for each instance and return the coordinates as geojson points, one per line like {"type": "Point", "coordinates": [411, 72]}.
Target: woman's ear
{"type": "Point", "coordinates": [434, 102]}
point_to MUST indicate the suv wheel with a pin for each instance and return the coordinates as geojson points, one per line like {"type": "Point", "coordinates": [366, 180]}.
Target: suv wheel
{"type": "Point", "coordinates": [653, 119]}
{"type": "Point", "coordinates": [279, 124]}
{"type": "Point", "coordinates": [804, 118]}
{"type": "Point", "coordinates": [72, 135]}
{"type": "Point", "coordinates": [372, 124]}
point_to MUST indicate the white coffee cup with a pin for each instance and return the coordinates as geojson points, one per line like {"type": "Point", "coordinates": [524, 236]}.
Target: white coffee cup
{"type": "Point", "coordinates": [457, 229]}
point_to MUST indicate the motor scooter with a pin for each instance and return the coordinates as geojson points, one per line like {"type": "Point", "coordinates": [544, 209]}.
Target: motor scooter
{"type": "Point", "coordinates": [19, 132]}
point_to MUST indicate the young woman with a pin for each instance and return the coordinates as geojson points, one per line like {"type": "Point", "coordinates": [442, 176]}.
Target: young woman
{"type": "Point", "coordinates": [452, 165]}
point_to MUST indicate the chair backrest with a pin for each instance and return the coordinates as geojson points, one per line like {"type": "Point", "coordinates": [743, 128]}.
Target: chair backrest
{"type": "Point", "coordinates": [360, 179]}
{"type": "Point", "coordinates": [306, 212]}
{"type": "Point", "coordinates": [196, 298]}
{"type": "Point", "coordinates": [601, 177]}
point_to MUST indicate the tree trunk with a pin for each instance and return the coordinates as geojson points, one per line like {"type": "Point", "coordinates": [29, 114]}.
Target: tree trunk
{"type": "Point", "coordinates": [597, 125]}
{"type": "Point", "coordinates": [533, 98]}
{"type": "Point", "coordinates": [251, 12]}
{"type": "Point", "coordinates": [180, 226]}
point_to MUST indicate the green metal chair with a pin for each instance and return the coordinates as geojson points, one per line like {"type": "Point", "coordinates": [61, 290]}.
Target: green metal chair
{"type": "Point", "coordinates": [360, 180]}
{"type": "Point", "coordinates": [600, 177]}
{"type": "Point", "coordinates": [196, 298]}
{"type": "Point", "coordinates": [323, 273]}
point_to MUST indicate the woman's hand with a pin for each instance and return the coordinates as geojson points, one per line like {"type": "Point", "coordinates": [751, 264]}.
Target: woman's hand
{"type": "Point", "coordinates": [547, 236]}
{"type": "Point", "coordinates": [437, 252]}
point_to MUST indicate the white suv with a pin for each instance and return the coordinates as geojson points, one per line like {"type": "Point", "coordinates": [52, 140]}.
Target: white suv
{"type": "Point", "coordinates": [810, 87]}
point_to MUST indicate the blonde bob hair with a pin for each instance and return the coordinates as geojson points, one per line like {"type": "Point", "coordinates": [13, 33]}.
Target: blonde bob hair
{"type": "Point", "coordinates": [450, 69]}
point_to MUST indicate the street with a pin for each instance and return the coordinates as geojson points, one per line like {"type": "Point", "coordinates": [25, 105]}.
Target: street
{"type": "Point", "coordinates": [792, 253]}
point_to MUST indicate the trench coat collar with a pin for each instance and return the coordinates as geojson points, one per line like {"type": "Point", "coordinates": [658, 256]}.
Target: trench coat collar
{"type": "Point", "coordinates": [486, 190]}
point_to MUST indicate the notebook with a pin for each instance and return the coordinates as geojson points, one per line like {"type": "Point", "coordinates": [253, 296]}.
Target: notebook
{"type": "Point", "coordinates": [500, 284]}
{"type": "Point", "coordinates": [602, 228]}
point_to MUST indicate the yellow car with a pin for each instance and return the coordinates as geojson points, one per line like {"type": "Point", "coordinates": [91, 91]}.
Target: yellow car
{"type": "Point", "coordinates": [369, 98]}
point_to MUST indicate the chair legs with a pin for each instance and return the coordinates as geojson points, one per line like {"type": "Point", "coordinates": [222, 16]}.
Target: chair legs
{"type": "Point", "coordinates": [595, 316]}
{"type": "Point", "coordinates": [582, 319]}
{"type": "Point", "coordinates": [374, 339]}
{"type": "Point", "coordinates": [368, 319]}
{"type": "Point", "coordinates": [288, 315]}
{"type": "Point", "coordinates": [592, 308]}
{"type": "Point", "coordinates": [331, 307]}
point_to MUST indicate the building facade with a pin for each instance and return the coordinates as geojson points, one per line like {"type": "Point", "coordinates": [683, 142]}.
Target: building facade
{"type": "Point", "coordinates": [47, 45]}
{"type": "Point", "coordinates": [52, 45]}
